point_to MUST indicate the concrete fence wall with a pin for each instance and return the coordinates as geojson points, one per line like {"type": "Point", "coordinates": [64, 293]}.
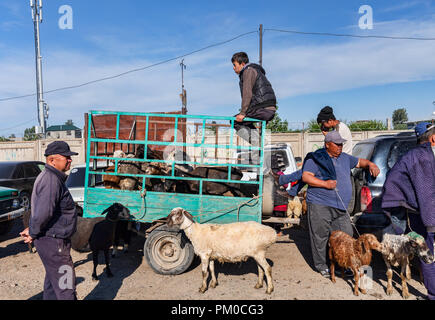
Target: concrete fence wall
{"type": "Point", "coordinates": [301, 143]}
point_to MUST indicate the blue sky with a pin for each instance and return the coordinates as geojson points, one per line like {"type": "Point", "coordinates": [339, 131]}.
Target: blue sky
{"type": "Point", "coordinates": [359, 78]}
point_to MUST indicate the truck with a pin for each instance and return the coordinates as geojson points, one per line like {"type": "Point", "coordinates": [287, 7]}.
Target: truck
{"type": "Point", "coordinates": [178, 143]}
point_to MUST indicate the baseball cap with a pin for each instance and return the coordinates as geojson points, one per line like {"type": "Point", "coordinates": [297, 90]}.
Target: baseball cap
{"type": "Point", "coordinates": [59, 147]}
{"type": "Point", "coordinates": [421, 128]}
{"type": "Point", "coordinates": [335, 137]}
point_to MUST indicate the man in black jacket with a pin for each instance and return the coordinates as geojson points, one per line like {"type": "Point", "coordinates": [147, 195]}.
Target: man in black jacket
{"type": "Point", "coordinates": [258, 97]}
{"type": "Point", "coordinates": [52, 222]}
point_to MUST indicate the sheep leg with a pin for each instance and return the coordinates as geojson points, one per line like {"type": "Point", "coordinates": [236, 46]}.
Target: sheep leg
{"type": "Point", "coordinates": [332, 267]}
{"type": "Point", "coordinates": [106, 257]}
{"type": "Point", "coordinates": [261, 260]}
{"type": "Point", "coordinates": [213, 282]}
{"type": "Point", "coordinates": [356, 279]}
{"type": "Point", "coordinates": [403, 271]}
{"type": "Point", "coordinates": [95, 260]}
{"type": "Point", "coordinates": [260, 277]}
{"type": "Point", "coordinates": [204, 265]}
{"type": "Point", "coordinates": [389, 278]}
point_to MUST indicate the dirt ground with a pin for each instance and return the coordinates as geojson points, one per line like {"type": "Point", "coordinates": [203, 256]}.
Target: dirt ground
{"type": "Point", "coordinates": [22, 276]}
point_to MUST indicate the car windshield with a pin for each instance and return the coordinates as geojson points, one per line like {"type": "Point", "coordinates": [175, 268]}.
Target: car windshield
{"type": "Point", "coordinates": [76, 178]}
{"type": "Point", "coordinates": [363, 150]}
{"type": "Point", "coordinates": [398, 149]}
{"type": "Point", "coordinates": [6, 170]}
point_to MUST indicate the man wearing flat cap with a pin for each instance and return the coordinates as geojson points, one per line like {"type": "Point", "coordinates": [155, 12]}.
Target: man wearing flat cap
{"type": "Point", "coordinates": [408, 195]}
{"type": "Point", "coordinates": [53, 221]}
{"type": "Point", "coordinates": [327, 173]}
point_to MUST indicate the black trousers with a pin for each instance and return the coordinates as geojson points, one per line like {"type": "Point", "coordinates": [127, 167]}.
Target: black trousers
{"type": "Point", "coordinates": [246, 129]}
{"type": "Point", "coordinates": [60, 277]}
{"type": "Point", "coordinates": [322, 220]}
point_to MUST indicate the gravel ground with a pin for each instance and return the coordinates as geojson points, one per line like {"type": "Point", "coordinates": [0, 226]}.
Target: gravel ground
{"type": "Point", "coordinates": [22, 276]}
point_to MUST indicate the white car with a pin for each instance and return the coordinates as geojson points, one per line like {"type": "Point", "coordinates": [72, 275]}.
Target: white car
{"type": "Point", "coordinates": [76, 181]}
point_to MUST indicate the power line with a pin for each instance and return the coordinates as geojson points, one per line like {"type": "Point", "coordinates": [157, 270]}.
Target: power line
{"type": "Point", "coordinates": [134, 70]}
{"type": "Point", "coordinates": [349, 35]}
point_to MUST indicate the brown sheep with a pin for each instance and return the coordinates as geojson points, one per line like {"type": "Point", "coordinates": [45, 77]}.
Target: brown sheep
{"type": "Point", "coordinates": [351, 253]}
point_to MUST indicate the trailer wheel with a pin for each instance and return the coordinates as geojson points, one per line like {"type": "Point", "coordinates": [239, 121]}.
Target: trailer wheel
{"type": "Point", "coordinates": [168, 251]}
{"type": "Point", "coordinates": [269, 191]}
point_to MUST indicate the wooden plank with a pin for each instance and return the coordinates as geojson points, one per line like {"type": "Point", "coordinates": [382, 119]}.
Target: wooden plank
{"type": "Point", "coordinates": [282, 220]}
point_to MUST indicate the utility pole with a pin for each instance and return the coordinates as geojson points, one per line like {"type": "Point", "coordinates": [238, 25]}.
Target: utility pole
{"type": "Point", "coordinates": [36, 6]}
{"type": "Point", "coordinates": [183, 95]}
{"type": "Point", "coordinates": [261, 46]}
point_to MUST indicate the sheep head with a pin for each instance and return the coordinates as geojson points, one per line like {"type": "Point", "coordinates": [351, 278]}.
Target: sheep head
{"type": "Point", "coordinates": [177, 217]}
{"type": "Point", "coordinates": [370, 242]}
{"type": "Point", "coordinates": [419, 246]}
{"type": "Point", "coordinates": [116, 212]}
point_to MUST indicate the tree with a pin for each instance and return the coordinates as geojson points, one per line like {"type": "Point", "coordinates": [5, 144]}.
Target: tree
{"type": "Point", "coordinates": [400, 116]}
{"type": "Point", "coordinates": [69, 122]}
{"type": "Point", "coordinates": [277, 124]}
{"type": "Point", "coordinates": [12, 136]}
{"type": "Point", "coordinates": [313, 126]}
{"type": "Point", "coordinates": [30, 135]}
{"type": "Point", "coordinates": [367, 125]}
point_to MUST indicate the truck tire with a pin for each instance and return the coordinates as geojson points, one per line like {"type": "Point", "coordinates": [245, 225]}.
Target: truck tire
{"type": "Point", "coordinates": [168, 251]}
{"type": "Point", "coordinates": [269, 191]}
{"type": "Point", "coordinates": [25, 200]}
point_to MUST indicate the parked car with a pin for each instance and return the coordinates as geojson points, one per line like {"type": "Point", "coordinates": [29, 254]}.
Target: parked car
{"type": "Point", "coordinates": [10, 208]}
{"type": "Point", "coordinates": [20, 175]}
{"type": "Point", "coordinates": [76, 182]}
{"type": "Point", "coordinates": [384, 151]}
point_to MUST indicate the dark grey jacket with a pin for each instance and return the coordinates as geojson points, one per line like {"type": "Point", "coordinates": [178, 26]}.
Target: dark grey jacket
{"type": "Point", "coordinates": [53, 209]}
{"type": "Point", "coordinates": [262, 93]}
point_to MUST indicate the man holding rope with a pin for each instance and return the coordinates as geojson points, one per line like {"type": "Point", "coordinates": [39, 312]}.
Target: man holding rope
{"type": "Point", "coordinates": [327, 173]}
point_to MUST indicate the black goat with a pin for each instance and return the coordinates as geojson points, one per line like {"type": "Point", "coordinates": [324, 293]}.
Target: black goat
{"type": "Point", "coordinates": [122, 232]}
{"type": "Point", "coordinates": [103, 235]}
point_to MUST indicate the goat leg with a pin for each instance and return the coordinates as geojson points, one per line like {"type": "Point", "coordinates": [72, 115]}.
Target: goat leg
{"type": "Point", "coordinates": [106, 257]}
{"type": "Point", "coordinates": [95, 260]}
{"type": "Point", "coordinates": [332, 266]}
{"type": "Point", "coordinates": [403, 271]}
{"type": "Point", "coordinates": [213, 282]}
{"type": "Point", "coordinates": [362, 281]}
{"type": "Point", "coordinates": [204, 264]}
{"type": "Point", "coordinates": [389, 291]}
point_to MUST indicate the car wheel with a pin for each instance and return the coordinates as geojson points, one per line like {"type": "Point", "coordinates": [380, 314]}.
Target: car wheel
{"type": "Point", "coordinates": [25, 200]}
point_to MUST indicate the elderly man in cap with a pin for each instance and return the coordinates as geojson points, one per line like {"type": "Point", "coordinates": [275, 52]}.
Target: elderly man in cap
{"type": "Point", "coordinates": [327, 173]}
{"type": "Point", "coordinates": [409, 195]}
{"type": "Point", "coordinates": [53, 221]}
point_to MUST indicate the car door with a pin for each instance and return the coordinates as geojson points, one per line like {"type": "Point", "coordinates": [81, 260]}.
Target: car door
{"type": "Point", "coordinates": [18, 181]}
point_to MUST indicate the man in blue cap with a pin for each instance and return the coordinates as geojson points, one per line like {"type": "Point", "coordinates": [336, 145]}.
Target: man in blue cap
{"type": "Point", "coordinates": [52, 222]}
{"type": "Point", "coordinates": [409, 192]}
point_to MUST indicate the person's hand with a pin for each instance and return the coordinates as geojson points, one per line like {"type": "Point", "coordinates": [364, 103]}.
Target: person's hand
{"type": "Point", "coordinates": [240, 117]}
{"type": "Point", "coordinates": [374, 169]}
{"type": "Point", "coordinates": [330, 184]}
{"type": "Point", "coordinates": [25, 235]}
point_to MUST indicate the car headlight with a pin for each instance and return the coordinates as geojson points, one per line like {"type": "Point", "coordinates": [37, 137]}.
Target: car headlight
{"type": "Point", "coordinates": [15, 203]}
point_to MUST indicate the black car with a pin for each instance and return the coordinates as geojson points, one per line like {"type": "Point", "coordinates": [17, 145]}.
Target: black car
{"type": "Point", "coordinates": [384, 151]}
{"type": "Point", "coordinates": [20, 175]}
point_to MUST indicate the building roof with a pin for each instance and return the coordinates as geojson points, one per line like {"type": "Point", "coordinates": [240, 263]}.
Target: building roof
{"type": "Point", "coordinates": [62, 127]}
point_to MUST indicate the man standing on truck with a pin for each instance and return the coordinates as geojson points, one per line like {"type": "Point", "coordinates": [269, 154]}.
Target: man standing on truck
{"type": "Point", "coordinates": [327, 173]}
{"type": "Point", "coordinates": [327, 121]}
{"type": "Point", "coordinates": [52, 223]}
{"type": "Point", "coordinates": [258, 97]}
{"type": "Point", "coordinates": [409, 192]}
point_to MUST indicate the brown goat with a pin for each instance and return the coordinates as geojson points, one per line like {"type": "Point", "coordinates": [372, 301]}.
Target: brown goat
{"type": "Point", "coordinates": [351, 253]}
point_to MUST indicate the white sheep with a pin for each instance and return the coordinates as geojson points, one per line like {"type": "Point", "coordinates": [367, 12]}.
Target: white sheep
{"type": "Point", "coordinates": [233, 242]}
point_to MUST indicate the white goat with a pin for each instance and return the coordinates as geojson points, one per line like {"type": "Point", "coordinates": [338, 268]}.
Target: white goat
{"type": "Point", "coordinates": [233, 242]}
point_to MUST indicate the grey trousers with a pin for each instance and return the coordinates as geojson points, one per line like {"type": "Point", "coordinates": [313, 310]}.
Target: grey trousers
{"type": "Point", "coordinates": [322, 220]}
